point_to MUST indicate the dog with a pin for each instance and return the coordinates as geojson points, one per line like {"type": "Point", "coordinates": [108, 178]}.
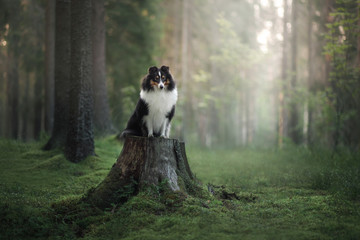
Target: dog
{"type": "Point", "coordinates": [156, 106]}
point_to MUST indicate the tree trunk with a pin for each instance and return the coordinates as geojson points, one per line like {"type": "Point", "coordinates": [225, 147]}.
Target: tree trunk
{"type": "Point", "coordinates": [308, 132]}
{"type": "Point", "coordinates": [62, 75]}
{"type": "Point", "coordinates": [37, 106]}
{"type": "Point", "coordinates": [25, 108]}
{"type": "Point", "coordinates": [249, 110]}
{"type": "Point", "coordinates": [2, 95]}
{"type": "Point", "coordinates": [213, 130]}
{"type": "Point", "coordinates": [294, 130]}
{"type": "Point", "coordinates": [282, 121]}
{"type": "Point", "coordinates": [12, 107]}
{"type": "Point", "coordinates": [184, 65]}
{"type": "Point", "coordinates": [80, 136]}
{"type": "Point", "coordinates": [102, 120]}
{"type": "Point", "coordinates": [49, 65]}
{"type": "Point", "coordinates": [358, 39]}
{"type": "Point", "coordinates": [144, 162]}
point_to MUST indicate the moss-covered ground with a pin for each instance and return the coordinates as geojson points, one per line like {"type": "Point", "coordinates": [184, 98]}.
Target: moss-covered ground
{"type": "Point", "coordinates": [253, 194]}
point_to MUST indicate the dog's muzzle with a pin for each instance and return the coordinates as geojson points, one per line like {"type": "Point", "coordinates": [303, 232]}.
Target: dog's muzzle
{"type": "Point", "coordinates": [161, 85]}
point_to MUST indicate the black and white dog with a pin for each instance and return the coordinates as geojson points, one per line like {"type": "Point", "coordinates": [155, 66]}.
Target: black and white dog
{"type": "Point", "coordinates": [156, 106]}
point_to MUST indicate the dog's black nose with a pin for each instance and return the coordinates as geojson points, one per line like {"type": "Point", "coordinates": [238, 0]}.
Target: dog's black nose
{"type": "Point", "coordinates": [161, 87]}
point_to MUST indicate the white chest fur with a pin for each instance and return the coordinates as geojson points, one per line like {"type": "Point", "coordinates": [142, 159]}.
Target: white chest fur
{"type": "Point", "coordinates": [160, 103]}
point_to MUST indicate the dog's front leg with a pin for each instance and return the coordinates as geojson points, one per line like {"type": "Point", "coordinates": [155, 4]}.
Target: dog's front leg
{"type": "Point", "coordinates": [163, 129]}
{"type": "Point", "coordinates": [167, 130]}
{"type": "Point", "coordinates": [150, 129]}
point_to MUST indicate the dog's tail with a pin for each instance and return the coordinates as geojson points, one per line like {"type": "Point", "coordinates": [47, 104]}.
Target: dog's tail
{"type": "Point", "coordinates": [126, 133]}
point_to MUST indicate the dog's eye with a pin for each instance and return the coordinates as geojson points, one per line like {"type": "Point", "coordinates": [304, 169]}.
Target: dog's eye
{"type": "Point", "coordinates": [163, 77]}
{"type": "Point", "coordinates": [157, 77]}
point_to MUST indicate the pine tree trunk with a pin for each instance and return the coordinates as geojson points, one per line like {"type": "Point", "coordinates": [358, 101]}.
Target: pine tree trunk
{"type": "Point", "coordinates": [49, 65]}
{"type": "Point", "coordinates": [249, 116]}
{"type": "Point", "coordinates": [102, 120]}
{"type": "Point", "coordinates": [184, 65]}
{"type": "Point", "coordinates": [2, 102]}
{"type": "Point", "coordinates": [12, 107]}
{"type": "Point", "coordinates": [62, 75]}
{"type": "Point", "coordinates": [310, 84]}
{"type": "Point", "coordinates": [80, 136]}
{"type": "Point", "coordinates": [25, 108]}
{"type": "Point", "coordinates": [294, 130]}
{"type": "Point", "coordinates": [358, 39]}
{"type": "Point", "coordinates": [37, 107]}
{"type": "Point", "coordinates": [282, 120]}
{"type": "Point", "coordinates": [144, 162]}
{"type": "Point", "coordinates": [12, 72]}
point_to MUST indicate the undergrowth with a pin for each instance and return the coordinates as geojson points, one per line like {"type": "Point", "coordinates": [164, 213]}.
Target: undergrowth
{"type": "Point", "coordinates": [246, 194]}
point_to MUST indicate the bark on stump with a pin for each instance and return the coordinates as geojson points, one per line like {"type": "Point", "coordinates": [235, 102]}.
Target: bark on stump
{"type": "Point", "coordinates": [143, 162]}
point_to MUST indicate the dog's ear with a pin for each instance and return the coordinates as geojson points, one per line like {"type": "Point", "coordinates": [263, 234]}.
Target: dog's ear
{"type": "Point", "coordinates": [153, 69]}
{"type": "Point", "coordinates": [165, 68]}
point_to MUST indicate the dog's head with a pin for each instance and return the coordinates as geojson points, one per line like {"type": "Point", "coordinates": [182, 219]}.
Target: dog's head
{"type": "Point", "coordinates": [158, 79]}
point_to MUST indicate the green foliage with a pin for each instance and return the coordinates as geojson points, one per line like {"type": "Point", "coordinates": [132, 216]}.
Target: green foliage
{"type": "Point", "coordinates": [344, 94]}
{"type": "Point", "coordinates": [256, 194]}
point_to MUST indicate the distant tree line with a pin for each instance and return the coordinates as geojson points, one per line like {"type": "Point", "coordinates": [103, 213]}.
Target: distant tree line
{"type": "Point", "coordinates": [301, 87]}
{"type": "Point", "coordinates": [249, 72]}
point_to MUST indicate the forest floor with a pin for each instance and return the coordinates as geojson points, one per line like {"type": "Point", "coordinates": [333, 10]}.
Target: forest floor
{"type": "Point", "coordinates": [289, 194]}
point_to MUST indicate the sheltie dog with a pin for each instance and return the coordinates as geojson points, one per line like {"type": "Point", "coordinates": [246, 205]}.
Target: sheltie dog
{"type": "Point", "coordinates": [156, 106]}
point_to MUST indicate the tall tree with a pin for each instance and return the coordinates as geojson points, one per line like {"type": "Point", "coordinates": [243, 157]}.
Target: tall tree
{"type": "Point", "coordinates": [2, 94]}
{"type": "Point", "coordinates": [49, 65]}
{"type": "Point", "coordinates": [32, 60]}
{"type": "Point", "coordinates": [13, 88]}
{"type": "Point", "coordinates": [294, 130]}
{"type": "Point", "coordinates": [358, 38]}
{"type": "Point", "coordinates": [80, 136]}
{"type": "Point", "coordinates": [61, 75]}
{"type": "Point", "coordinates": [38, 97]}
{"type": "Point", "coordinates": [102, 120]}
{"type": "Point", "coordinates": [282, 119]}
{"type": "Point", "coordinates": [310, 78]}
{"type": "Point", "coordinates": [184, 63]}
{"type": "Point", "coordinates": [25, 106]}
{"type": "Point", "coordinates": [13, 59]}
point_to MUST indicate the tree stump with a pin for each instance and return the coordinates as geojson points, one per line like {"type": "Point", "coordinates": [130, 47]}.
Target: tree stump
{"type": "Point", "coordinates": [143, 162]}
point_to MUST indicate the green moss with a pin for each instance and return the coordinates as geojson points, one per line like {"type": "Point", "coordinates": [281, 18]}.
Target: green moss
{"type": "Point", "coordinates": [268, 195]}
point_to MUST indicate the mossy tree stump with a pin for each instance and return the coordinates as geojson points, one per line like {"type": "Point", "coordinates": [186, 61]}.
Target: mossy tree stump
{"type": "Point", "coordinates": [143, 162]}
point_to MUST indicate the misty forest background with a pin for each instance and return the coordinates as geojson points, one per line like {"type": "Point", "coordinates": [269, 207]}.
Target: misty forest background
{"type": "Point", "coordinates": [249, 73]}
{"type": "Point", "coordinates": [269, 108]}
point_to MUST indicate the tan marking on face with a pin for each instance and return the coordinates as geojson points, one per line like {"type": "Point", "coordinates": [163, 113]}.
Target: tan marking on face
{"type": "Point", "coordinates": [167, 82]}
{"type": "Point", "coordinates": [153, 83]}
